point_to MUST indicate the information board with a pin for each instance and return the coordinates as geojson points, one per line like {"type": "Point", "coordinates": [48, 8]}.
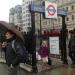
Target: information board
{"type": "Point", "coordinates": [54, 45]}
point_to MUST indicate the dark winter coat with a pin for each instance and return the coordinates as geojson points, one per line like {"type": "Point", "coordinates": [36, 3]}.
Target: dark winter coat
{"type": "Point", "coordinates": [43, 51]}
{"type": "Point", "coordinates": [71, 45]}
{"type": "Point", "coordinates": [11, 56]}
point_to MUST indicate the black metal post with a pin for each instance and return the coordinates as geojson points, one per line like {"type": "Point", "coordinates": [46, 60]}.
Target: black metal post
{"type": "Point", "coordinates": [63, 41]}
{"type": "Point", "coordinates": [40, 30]}
{"type": "Point", "coordinates": [34, 66]}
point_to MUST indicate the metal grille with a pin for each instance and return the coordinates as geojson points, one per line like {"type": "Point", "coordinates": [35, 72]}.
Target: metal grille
{"type": "Point", "coordinates": [29, 59]}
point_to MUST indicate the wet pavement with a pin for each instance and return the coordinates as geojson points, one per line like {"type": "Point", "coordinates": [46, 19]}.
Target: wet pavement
{"type": "Point", "coordinates": [64, 70]}
{"type": "Point", "coordinates": [3, 69]}
{"type": "Point", "coordinates": [59, 71]}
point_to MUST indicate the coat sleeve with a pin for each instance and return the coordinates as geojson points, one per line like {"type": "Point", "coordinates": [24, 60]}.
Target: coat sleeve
{"type": "Point", "coordinates": [19, 48]}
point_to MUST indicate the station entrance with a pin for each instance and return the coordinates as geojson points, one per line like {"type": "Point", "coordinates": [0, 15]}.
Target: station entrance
{"type": "Point", "coordinates": [59, 36]}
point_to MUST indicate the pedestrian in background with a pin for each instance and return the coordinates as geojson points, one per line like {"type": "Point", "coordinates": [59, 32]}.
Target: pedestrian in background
{"type": "Point", "coordinates": [43, 51]}
{"type": "Point", "coordinates": [71, 46]}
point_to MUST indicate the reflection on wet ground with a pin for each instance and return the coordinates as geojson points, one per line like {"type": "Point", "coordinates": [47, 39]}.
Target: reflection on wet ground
{"type": "Point", "coordinates": [64, 70]}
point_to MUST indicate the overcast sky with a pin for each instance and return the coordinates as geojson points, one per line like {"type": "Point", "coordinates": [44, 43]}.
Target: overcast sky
{"type": "Point", "coordinates": [5, 5]}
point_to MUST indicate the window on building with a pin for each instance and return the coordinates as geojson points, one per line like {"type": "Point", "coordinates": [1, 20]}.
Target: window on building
{"type": "Point", "coordinates": [55, 20]}
{"type": "Point", "coordinates": [27, 7]}
{"type": "Point", "coordinates": [45, 23]}
{"type": "Point", "coordinates": [67, 8]}
{"type": "Point", "coordinates": [23, 0]}
{"type": "Point", "coordinates": [49, 21]}
{"type": "Point", "coordinates": [67, 19]}
{"type": "Point", "coordinates": [27, 2]}
{"type": "Point", "coordinates": [58, 19]}
{"type": "Point", "coordinates": [63, 8]}
{"type": "Point", "coordinates": [28, 23]}
{"type": "Point", "coordinates": [72, 7]}
{"type": "Point", "coordinates": [72, 17]}
{"type": "Point", "coordinates": [26, 15]}
{"type": "Point", "coordinates": [27, 11]}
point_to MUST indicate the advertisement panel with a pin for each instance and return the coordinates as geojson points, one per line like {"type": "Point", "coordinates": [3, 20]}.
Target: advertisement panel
{"type": "Point", "coordinates": [54, 45]}
{"type": "Point", "coordinates": [50, 10]}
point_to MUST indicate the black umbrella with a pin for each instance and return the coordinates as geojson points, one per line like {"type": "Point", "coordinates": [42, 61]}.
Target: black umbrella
{"type": "Point", "coordinates": [4, 26]}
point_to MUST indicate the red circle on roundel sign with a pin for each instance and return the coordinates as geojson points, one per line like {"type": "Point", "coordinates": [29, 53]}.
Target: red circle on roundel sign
{"type": "Point", "coordinates": [51, 10]}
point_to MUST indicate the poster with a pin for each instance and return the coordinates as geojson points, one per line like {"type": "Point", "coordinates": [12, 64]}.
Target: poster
{"type": "Point", "coordinates": [54, 45]}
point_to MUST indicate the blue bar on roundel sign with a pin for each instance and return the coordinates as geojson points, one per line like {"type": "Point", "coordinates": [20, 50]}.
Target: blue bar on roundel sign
{"type": "Point", "coordinates": [61, 12]}
{"type": "Point", "coordinates": [37, 8]}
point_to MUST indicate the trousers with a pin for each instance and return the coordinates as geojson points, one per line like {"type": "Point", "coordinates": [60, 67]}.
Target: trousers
{"type": "Point", "coordinates": [13, 70]}
{"type": "Point", "coordinates": [72, 56]}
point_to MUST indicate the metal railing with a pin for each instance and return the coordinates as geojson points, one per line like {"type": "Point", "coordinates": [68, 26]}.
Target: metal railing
{"type": "Point", "coordinates": [2, 54]}
{"type": "Point", "coordinates": [21, 71]}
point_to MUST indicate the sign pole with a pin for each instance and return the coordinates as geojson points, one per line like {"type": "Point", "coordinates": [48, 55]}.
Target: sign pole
{"type": "Point", "coordinates": [63, 41]}
{"type": "Point", "coordinates": [40, 30]}
{"type": "Point", "coordinates": [34, 66]}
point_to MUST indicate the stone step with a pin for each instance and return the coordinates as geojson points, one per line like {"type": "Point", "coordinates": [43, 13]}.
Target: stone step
{"type": "Point", "coordinates": [42, 66]}
{"type": "Point", "coordinates": [22, 65]}
{"type": "Point", "coordinates": [26, 67]}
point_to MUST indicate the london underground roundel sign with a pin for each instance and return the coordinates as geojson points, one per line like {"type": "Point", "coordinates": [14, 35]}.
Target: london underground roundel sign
{"type": "Point", "coordinates": [50, 10]}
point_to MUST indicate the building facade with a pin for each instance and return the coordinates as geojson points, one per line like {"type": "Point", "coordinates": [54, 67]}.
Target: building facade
{"type": "Point", "coordinates": [15, 16]}
{"type": "Point", "coordinates": [21, 16]}
{"type": "Point", "coordinates": [45, 23]}
{"type": "Point", "coordinates": [26, 15]}
{"type": "Point", "coordinates": [11, 15]}
{"type": "Point", "coordinates": [68, 5]}
{"type": "Point", "coordinates": [70, 18]}
{"type": "Point", "coordinates": [40, 22]}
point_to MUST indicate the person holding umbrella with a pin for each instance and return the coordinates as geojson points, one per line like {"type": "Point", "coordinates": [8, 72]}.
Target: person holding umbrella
{"type": "Point", "coordinates": [13, 55]}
